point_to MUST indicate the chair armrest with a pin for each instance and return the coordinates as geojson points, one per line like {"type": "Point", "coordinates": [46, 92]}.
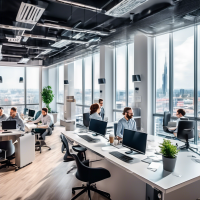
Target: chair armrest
{"type": "Point", "coordinates": [4, 151]}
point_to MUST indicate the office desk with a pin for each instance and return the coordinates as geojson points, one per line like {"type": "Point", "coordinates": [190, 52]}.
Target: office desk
{"type": "Point", "coordinates": [24, 148]}
{"type": "Point", "coordinates": [128, 180]}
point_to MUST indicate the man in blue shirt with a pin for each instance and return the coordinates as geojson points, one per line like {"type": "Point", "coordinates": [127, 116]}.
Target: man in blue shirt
{"type": "Point", "coordinates": [127, 122]}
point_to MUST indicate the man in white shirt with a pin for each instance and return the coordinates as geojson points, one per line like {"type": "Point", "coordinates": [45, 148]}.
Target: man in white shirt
{"type": "Point", "coordinates": [102, 113]}
{"type": "Point", "coordinates": [45, 120]}
{"type": "Point", "coordinates": [3, 117]}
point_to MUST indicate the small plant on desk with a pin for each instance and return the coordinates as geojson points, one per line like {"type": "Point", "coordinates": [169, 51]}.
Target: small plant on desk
{"type": "Point", "coordinates": [169, 152]}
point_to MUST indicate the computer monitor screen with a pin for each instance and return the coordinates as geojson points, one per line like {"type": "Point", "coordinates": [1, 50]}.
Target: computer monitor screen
{"type": "Point", "coordinates": [86, 119]}
{"type": "Point", "coordinates": [31, 113]}
{"type": "Point", "coordinates": [135, 141]}
{"type": "Point", "coordinates": [98, 126]}
{"type": "Point", "coordinates": [8, 125]}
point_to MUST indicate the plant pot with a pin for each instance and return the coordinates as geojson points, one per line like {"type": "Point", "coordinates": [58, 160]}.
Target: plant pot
{"type": "Point", "coordinates": [169, 164]}
{"type": "Point", "coordinates": [54, 117]}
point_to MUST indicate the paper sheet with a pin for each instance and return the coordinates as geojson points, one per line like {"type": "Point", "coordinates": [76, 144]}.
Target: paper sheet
{"type": "Point", "coordinates": [153, 166]}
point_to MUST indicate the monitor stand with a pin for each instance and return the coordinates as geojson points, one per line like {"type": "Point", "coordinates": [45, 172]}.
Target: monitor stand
{"type": "Point", "coordinates": [131, 152]}
{"type": "Point", "coordinates": [95, 134]}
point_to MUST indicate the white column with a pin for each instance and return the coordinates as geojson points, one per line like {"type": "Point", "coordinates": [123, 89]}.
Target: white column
{"type": "Point", "coordinates": [106, 71]}
{"type": "Point", "coordinates": [40, 88]}
{"type": "Point", "coordinates": [69, 75]}
{"type": "Point", "coordinates": [143, 65]}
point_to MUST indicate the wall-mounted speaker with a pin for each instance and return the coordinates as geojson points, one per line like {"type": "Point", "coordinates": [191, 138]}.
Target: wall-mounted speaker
{"type": "Point", "coordinates": [101, 80]}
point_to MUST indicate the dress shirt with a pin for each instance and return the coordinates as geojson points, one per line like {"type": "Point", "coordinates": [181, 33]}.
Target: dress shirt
{"type": "Point", "coordinates": [124, 124]}
{"type": "Point", "coordinates": [46, 120]}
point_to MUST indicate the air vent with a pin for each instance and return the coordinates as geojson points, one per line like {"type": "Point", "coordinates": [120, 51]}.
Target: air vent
{"type": "Point", "coordinates": [61, 43]}
{"type": "Point", "coordinates": [17, 39]}
{"type": "Point", "coordinates": [189, 17]}
{"type": "Point", "coordinates": [29, 13]}
{"type": "Point", "coordinates": [124, 7]}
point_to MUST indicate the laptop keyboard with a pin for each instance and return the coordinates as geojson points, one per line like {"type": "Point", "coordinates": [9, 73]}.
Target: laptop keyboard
{"type": "Point", "coordinates": [88, 138]}
{"type": "Point", "coordinates": [121, 156]}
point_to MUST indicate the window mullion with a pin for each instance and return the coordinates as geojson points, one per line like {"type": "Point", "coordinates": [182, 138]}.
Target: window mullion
{"type": "Point", "coordinates": [171, 73]}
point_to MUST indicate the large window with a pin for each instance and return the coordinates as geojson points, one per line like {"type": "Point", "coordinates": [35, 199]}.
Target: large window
{"type": "Point", "coordinates": [11, 90]}
{"type": "Point", "coordinates": [88, 80]}
{"type": "Point", "coordinates": [177, 72]}
{"type": "Point", "coordinates": [124, 69]}
{"type": "Point", "coordinates": [162, 73]}
{"type": "Point", "coordinates": [96, 71]}
{"type": "Point", "coordinates": [184, 70]}
{"type": "Point", "coordinates": [78, 81]}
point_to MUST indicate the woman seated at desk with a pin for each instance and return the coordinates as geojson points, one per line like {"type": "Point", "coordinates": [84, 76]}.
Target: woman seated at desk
{"type": "Point", "coordinates": [94, 111]}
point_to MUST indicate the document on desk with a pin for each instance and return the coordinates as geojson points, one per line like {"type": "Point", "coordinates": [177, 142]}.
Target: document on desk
{"type": "Point", "coordinates": [153, 166]}
{"type": "Point", "coordinates": [30, 126]}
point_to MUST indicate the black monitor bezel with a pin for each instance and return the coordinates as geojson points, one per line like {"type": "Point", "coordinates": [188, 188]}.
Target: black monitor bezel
{"type": "Point", "coordinates": [133, 148]}
{"type": "Point", "coordinates": [96, 132]}
{"type": "Point", "coordinates": [9, 128]}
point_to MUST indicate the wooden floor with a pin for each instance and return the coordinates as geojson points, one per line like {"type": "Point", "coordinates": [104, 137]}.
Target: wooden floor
{"type": "Point", "coordinates": [45, 178]}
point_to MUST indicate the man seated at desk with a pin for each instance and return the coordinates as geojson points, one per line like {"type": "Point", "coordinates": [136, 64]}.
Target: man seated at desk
{"type": "Point", "coordinates": [14, 116]}
{"type": "Point", "coordinates": [3, 117]}
{"type": "Point", "coordinates": [127, 122]}
{"type": "Point", "coordinates": [45, 120]}
{"type": "Point", "coordinates": [180, 113]}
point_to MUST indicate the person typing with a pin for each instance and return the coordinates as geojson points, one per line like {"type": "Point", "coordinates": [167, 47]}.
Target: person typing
{"type": "Point", "coordinates": [3, 117]}
{"type": "Point", "coordinates": [45, 120]}
{"type": "Point", "coordinates": [14, 116]}
{"type": "Point", "coordinates": [127, 122]}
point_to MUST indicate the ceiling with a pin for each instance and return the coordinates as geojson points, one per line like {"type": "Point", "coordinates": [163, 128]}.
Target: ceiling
{"type": "Point", "coordinates": [50, 31]}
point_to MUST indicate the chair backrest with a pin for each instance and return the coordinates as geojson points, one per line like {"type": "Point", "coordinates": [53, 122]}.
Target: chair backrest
{"type": "Point", "coordinates": [38, 114]}
{"type": "Point", "coordinates": [166, 118]}
{"type": "Point", "coordinates": [184, 118]}
{"type": "Point", "coordinates": [185, 129]}
{"type": "Point", "coordinates": [7, 145]}
{"type": "Point", "coordinates": [86, 119]}
{"type": "Point", "coordinates": [115, 129]}
{"type": "Point", "coordinates": [65, 143]}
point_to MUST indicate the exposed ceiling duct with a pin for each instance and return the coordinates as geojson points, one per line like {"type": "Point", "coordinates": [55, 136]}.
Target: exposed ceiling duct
{"type": "Point", "coordinates": [102, 33]}
{"type": "Point", "coordinates": [80, 5]}
{"type": "Point", "coordinates": [8, 55]}
{"type": "Point", "coordinates": [39, 37]}
{"type": "Point", "coordinates": [124, 7]}
{"type": "Point", "coordinates": [26, 46]}
{"type": "Point", "coordinates": [17, 39]}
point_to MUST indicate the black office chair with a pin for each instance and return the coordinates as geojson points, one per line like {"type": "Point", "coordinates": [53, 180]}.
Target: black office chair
{"type": "Point", "coordinates": [115, 129]}
{"type": "Point", "coordinates": [185, 131]}
{"type": "Point", "coordinates": [68, 157]}
{"type": "Point", "coordinates": [89, 175]}
{"type": "Point", "coordinates": [7, 151]}
{"type": "Point", "coordinates": [184, 118]}
{"type": "Point", "coordinates": [166, 119]}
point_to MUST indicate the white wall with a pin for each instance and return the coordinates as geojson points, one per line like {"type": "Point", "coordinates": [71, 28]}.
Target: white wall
{"type": "Point", "coordinates": [143, 65]}
{"type": "Point", "coordinates": [106, 71]}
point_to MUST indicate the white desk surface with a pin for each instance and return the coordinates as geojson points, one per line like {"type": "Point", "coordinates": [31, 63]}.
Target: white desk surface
{"type": "Point", "coordinates": [14, 132]}
{"type": "Point", "coordinates": [162, 180]}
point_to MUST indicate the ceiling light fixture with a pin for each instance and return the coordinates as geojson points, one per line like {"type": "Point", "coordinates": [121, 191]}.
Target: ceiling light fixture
{"type": "Point", "coordinates": [124, 7]}
{"type": "Point", "coordinates": [78, 36]}
{"type": "Point", "coordinates": [61, 43]}
{"type": "Point", "coordinates": [102, 33]}
{"type": "Point", "coordinates": [81, 5]}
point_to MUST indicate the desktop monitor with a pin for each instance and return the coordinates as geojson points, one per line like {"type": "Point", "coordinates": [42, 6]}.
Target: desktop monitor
{"type": "Point", "coordinates": [135, 141]}
{"type": "Point", "coordinates": [98, 126]}
{"type": "Point", "coordinates": [6, 125]}
{"type": "Point", "coordinates": [31, 113]}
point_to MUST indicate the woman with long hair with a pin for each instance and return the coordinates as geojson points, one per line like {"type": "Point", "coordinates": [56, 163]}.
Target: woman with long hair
{"type": "Point", "coordinates": [94, 111]}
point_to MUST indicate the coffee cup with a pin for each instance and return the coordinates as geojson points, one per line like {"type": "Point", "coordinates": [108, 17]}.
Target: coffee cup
{"type": "Point", "coordinates": [111, 138]}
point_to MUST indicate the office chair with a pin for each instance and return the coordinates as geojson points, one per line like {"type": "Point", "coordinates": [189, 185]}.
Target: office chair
{"type": "Point", "coordinates": [68, 157]}
{"type": "Point", "coordinates": [40, 142]}
{"type": "Point", "coordinates": [86, 121]}
{"type": "Point", "coordinates": [184, 118]}
{"type": "Point", "coordinates": [7, 150]}
{"type": "Point", "coordinates": [115, 129]}
{"type": "Point", "coordinates": [185, 132]}
{"type": "Point", "coordinates": [166, 119]}
{"type": "Point", "coordinates": [89, 175]}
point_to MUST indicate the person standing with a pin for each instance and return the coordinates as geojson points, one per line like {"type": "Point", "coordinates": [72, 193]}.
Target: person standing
{"type": "Point", "coordinates": [102, 111]}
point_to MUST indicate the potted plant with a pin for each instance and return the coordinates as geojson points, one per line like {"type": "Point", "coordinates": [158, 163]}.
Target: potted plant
{"type": "Point", "coordinates": [47, 98]}
{"type": "Point", "coordinates": [169, 154]}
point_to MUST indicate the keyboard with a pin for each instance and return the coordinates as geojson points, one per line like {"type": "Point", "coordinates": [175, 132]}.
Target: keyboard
{"type": "Point", "coordinates": [121, 156]}
{"type": "Point", "coordinates": [88, 138]}
{"type": "Point", "coordinates": [7, 132]}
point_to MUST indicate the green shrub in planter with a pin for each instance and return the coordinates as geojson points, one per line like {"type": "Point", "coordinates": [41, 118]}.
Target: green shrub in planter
{"type": "Point", "coordinates": [169, 152]}
{"type": "Point", "coordinates": [47, 96]}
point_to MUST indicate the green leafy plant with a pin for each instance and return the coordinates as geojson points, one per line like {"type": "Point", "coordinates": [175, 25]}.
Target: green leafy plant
{"type": "Point", "coordinates": [168, 150]}
{"type": "Point", "coordinates": [47, 96]}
